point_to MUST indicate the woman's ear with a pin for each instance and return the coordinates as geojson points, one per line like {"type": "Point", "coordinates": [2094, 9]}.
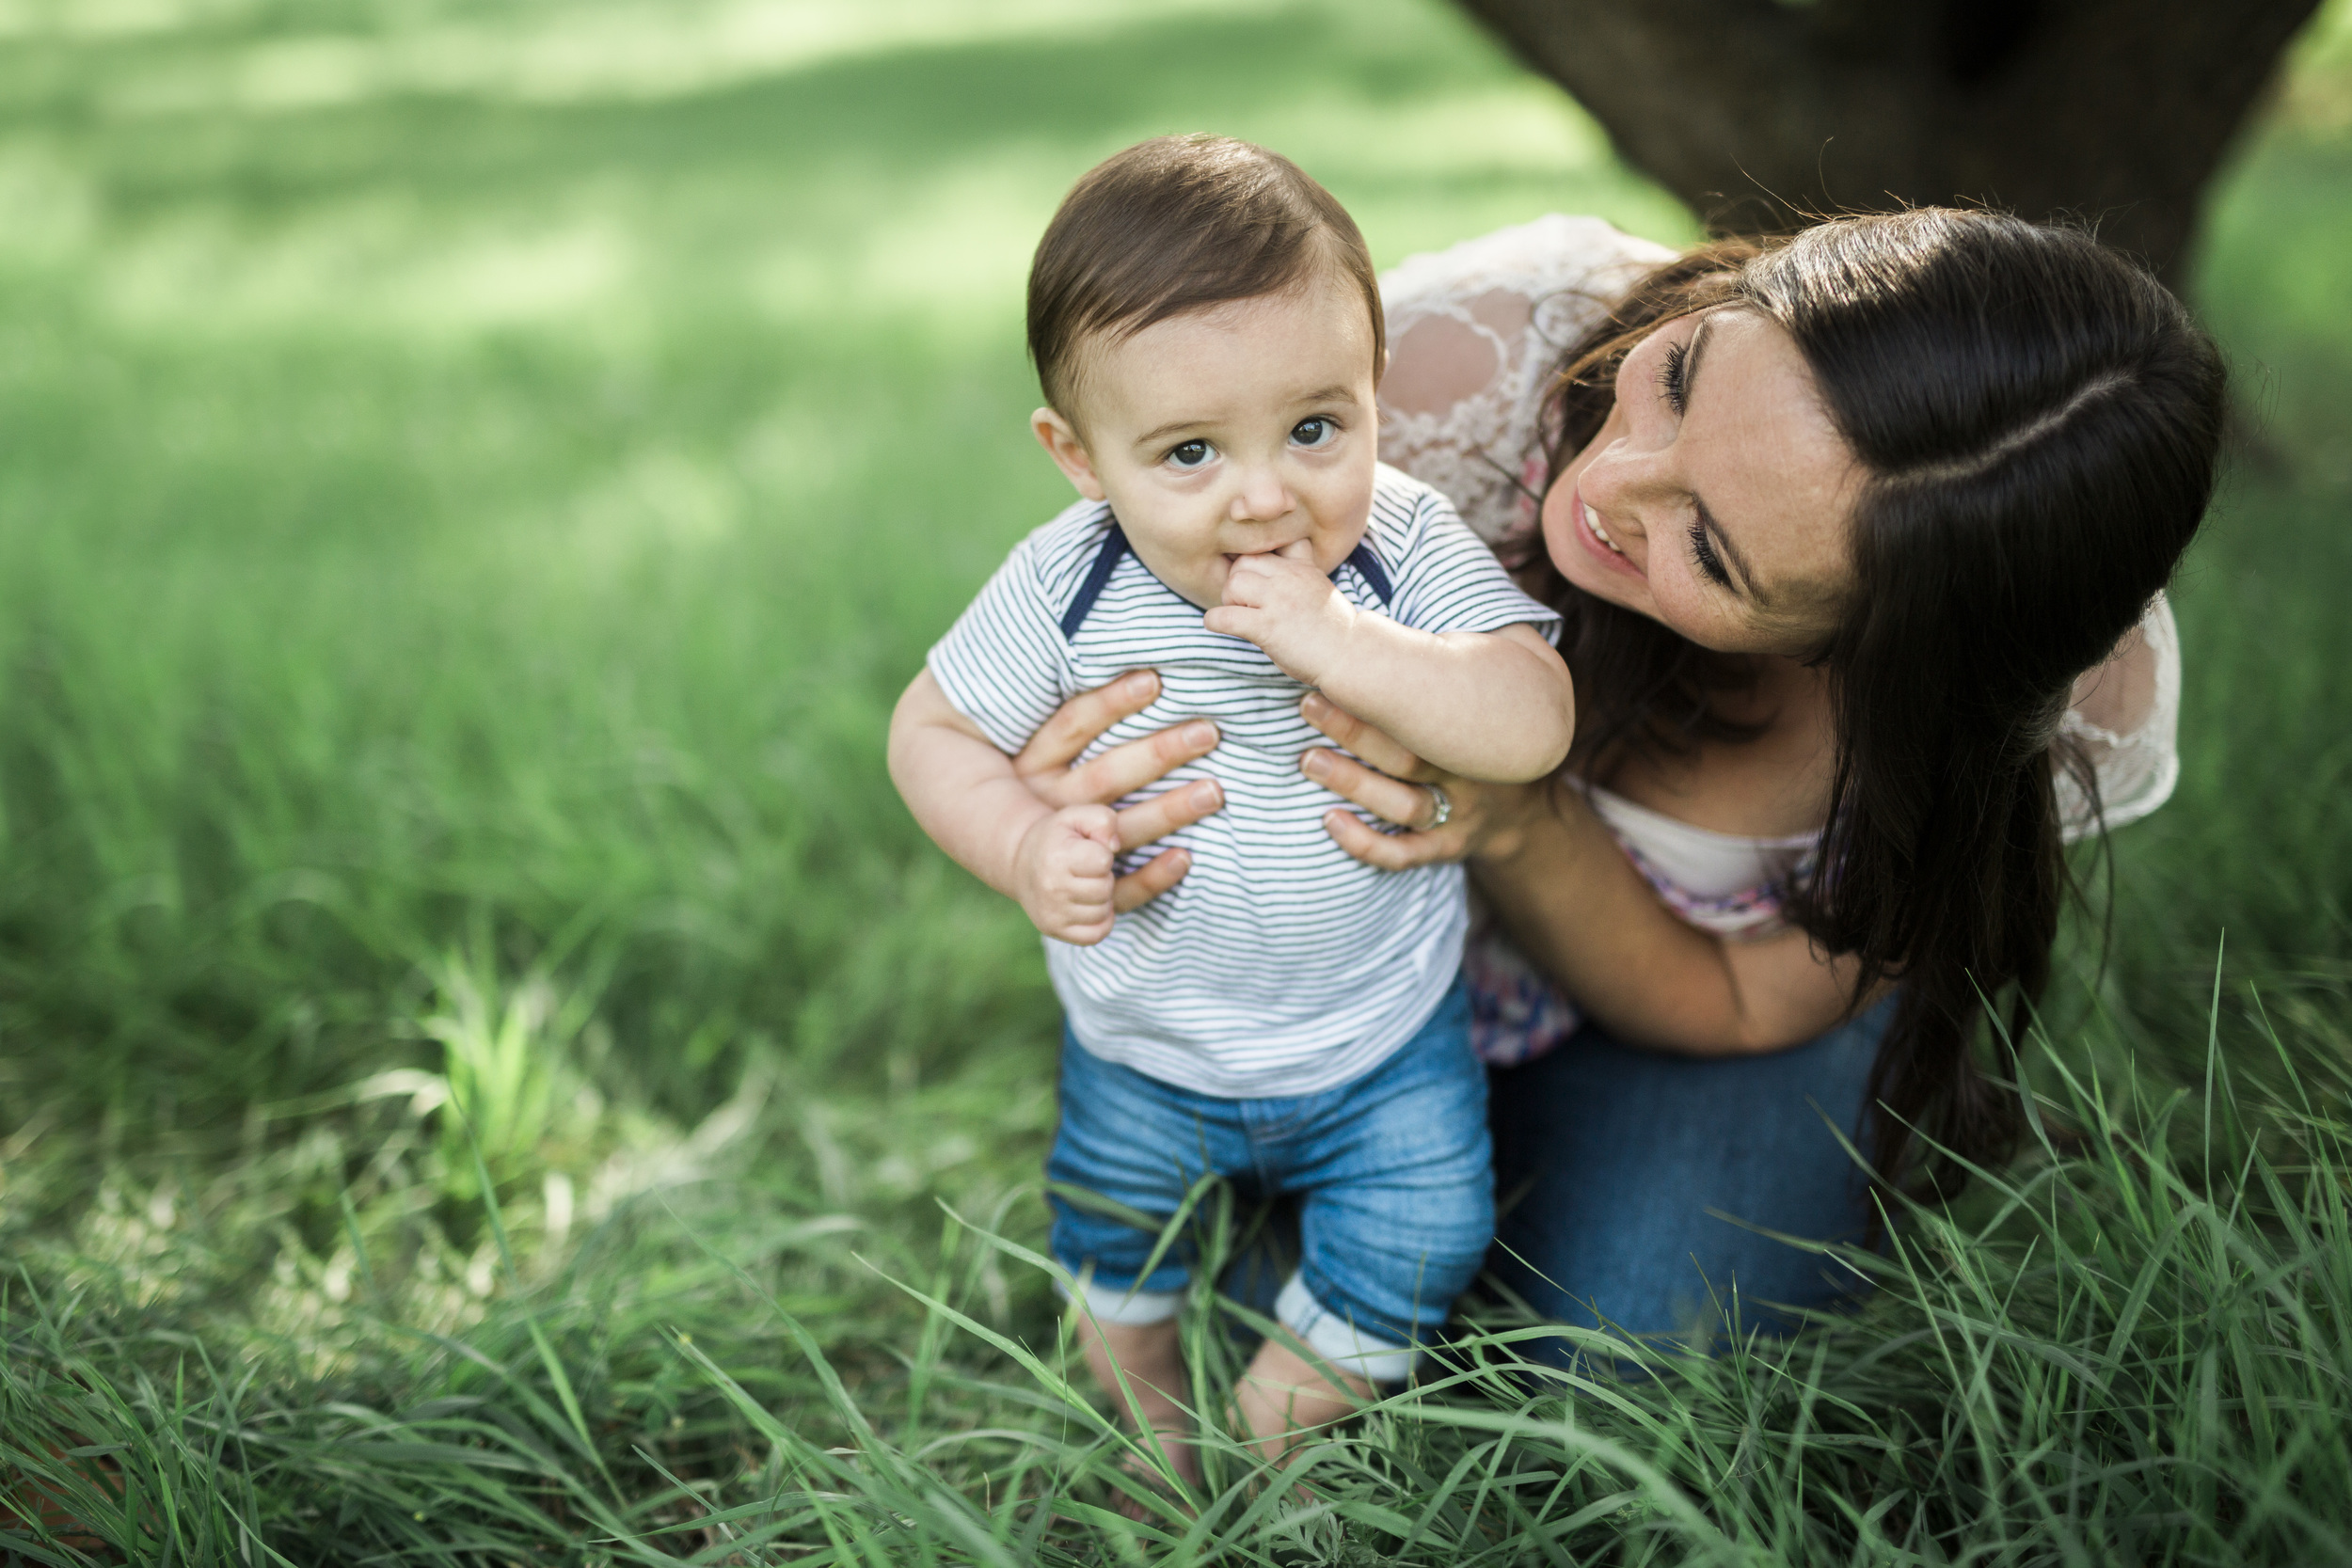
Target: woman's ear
{"type": "Point", "coordinates": [1060, 438]}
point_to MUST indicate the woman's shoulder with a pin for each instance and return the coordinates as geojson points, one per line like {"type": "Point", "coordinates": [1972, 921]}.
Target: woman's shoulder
{"type": "Point", "coordinates": [1553, 254]}
{"type": "Point", "coordinates": [1474, 331]}
{"type": "Point", "coordinates": [2125, 723]}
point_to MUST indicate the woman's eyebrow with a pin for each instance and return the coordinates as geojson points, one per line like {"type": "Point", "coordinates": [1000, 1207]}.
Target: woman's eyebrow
{"type": "Point", "coordinates": [1692, 357]}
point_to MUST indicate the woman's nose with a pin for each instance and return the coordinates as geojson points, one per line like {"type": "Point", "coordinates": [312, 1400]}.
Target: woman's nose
{"type": "Point", "coordinates": [1625, 473]}
{"type": "Point", "coordinates": [1620, 485]}
{"type": "Point", "coordinates": [1611, 477]}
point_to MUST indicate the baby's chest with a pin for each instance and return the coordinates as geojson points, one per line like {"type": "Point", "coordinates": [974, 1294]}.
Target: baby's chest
{"type": "Point", "coordinates": [1223, 679]}
{"type": "Point", "coordinates": [1271, 808]}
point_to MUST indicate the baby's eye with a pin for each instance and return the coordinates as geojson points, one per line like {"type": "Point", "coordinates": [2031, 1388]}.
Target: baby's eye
{"type": "Point", "coordinates": [1315, 431]}
{"type": "Point", "coordinates": [1188, 455]}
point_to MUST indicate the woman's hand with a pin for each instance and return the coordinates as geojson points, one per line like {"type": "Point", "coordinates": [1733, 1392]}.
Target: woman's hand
{"type": "Point", "coordinates": [1397, 787]}
{"type": "Point", "coordinates": [1049, 766]}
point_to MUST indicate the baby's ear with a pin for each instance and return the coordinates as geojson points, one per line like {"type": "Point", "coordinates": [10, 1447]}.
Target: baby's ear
{"type": "Point", "coordinates": [1060, 438]}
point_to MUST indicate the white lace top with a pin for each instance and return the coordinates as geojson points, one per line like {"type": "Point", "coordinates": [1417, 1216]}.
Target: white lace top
{"type": "Point", "coordinates": [1480, 328]}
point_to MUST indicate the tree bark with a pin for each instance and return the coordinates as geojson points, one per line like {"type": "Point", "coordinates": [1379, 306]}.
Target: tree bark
{"type": "Point", "coordinates": [1759, 112]}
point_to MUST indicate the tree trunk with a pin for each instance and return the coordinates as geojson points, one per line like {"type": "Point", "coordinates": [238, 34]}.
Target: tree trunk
{"type": "Point", "coordinates": [1760, 112]}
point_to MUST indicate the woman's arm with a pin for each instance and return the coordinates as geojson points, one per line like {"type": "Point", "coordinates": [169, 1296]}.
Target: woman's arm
{"type": "Point", "coordinates": [1554, 874]}
{"type": "Point", "coordinates": [1579, 910]}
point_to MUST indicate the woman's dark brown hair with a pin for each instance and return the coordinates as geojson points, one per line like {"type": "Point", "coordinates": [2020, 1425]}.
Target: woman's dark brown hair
{"type": "Point", "coordinates": [2039, 422]}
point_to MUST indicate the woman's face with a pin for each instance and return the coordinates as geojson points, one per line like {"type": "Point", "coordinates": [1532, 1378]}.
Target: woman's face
{"type": "Point", "coordinates": [1717, 496]}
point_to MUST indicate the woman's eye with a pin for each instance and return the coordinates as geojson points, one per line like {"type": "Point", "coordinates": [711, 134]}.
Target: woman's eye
{"type": "Point", "coordinates": [1670, 384]}
{"type": "Point", "coordinates": [1190, 455]}
{"type": "Point", "coordinates": [1703, 554]}
{"type": "Point", "coordinates": [1316, 432]}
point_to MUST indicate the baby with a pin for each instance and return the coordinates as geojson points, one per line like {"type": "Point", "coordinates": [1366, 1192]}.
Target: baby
{"type": "Point", "coordinates": [1208, 330]}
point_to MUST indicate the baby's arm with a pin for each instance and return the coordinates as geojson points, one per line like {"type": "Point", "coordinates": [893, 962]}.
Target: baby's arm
{"type": "Point", "coordinates": [966, 794]}
{"type": "Point", "coordinates": [1494, 705]}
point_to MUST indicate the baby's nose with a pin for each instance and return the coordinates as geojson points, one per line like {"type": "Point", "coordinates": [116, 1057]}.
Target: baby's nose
{"type": "Point", "coordinates": [1262, 497]}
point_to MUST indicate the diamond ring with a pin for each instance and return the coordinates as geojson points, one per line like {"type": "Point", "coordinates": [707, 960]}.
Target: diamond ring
{"type": "Point", "coordinates": [1444, 804]}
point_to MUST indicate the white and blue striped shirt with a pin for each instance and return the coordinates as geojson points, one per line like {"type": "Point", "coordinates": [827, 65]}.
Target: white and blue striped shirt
{"type": "Point", "coordinates": [1279, 965]}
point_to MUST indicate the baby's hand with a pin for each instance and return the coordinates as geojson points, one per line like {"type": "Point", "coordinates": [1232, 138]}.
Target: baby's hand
{"type": "Point", "coordinates": [1283, 605]}
{"type": "Point", "coordinates": [1063, 869]}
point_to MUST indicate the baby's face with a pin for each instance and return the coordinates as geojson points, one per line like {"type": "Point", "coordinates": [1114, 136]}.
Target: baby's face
{"type": "Point", "coordinates": [1239, 430]}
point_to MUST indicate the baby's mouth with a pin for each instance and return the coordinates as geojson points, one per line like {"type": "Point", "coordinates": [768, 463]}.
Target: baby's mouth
{"type": "Point", "coordinates": [1300, 550]}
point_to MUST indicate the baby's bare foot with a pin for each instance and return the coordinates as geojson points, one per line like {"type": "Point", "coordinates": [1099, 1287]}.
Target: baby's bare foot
{"type": "Point", "coordinates": [1154, 1484]}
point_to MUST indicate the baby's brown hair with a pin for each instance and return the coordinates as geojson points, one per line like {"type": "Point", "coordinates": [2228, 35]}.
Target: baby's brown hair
{"type": "Point", "coordinates": [1179, 224]}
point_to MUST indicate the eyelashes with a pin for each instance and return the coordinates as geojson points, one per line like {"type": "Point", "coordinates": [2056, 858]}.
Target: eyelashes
{"type": "Point", "coordinates": [1670, 377]}
{"type": "Point", "coordinates": [1315, 433]}
{"type": "Point", "coordinates": [1703, 556]}
{"type": "Point", "coordinates": [1674, 387]}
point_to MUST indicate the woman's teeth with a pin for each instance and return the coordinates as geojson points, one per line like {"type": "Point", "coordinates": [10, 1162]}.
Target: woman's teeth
{"type": "Point", "coordinates": [1592, 520]}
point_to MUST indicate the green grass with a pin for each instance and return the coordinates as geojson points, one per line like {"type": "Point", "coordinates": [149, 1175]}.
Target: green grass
{"type": "Point", "coordinates": [472, 480]}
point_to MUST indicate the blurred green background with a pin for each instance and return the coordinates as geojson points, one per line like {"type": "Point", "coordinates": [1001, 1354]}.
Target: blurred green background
{"type": "Point", "coordinates": [473, 479]}
{"type": "Point", "coordinates": [481, 476]}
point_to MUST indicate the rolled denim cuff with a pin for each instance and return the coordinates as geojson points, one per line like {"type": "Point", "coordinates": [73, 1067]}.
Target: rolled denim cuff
{"type": "Point", "coordinates": [1114, 1304]}
{"type": "Point", "coordinates": [1338, 1341]}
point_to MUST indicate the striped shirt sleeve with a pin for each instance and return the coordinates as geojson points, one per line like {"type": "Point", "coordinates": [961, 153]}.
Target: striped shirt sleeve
{"type": "Point", "coordinates": [1004, 663]}
{"type": "Point", "coordinates": [1449, 580]}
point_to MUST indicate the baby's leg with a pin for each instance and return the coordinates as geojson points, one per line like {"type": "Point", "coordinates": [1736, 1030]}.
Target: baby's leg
{"type": "Point", "coordinates": [1284, 1398]}
{"type": "Point", "coordinates": [1152, 1357]}
{"type": "Point", "coordinates": [1130, 1149]}
{"type": "Point", "coordinates": [1397, 1173]}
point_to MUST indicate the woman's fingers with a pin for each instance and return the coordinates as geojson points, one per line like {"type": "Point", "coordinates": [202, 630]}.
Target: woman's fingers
{"type": "Point", "coordinates": [1359, 737]}
{"type": "Point", "coordinates": [1407, 805]}
{"type": "Point", "coordinates": [1044, 763]}
{"type": "Point", "coordinates": [1395, 851]}
{"type": "Point", "coordinates": [1123, 770]}
{"type": "Point", "coordinates": [1149, 881]}
{"type": "Point", "coordinates": [1167, 810]}
{"type": "Point", "coordinates": [1077, 724]}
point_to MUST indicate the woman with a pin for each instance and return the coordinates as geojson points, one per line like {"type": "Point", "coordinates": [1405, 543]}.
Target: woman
{"type": "Point", "coordinates": [1860, 540]}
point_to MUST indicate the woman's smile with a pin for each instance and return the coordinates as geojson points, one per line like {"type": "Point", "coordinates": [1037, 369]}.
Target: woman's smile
{"type": "Point", "coordinates": [1595, 536]}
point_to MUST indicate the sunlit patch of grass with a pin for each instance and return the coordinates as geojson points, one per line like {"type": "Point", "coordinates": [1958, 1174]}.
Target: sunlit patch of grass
{"type": "Point", "coordinates": [358, 53]}
{"type": "Point", "coordinates": [582, 167]}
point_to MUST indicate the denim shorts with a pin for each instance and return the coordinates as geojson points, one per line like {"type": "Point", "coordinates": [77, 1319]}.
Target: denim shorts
{"type": "Point", "coordinates": [1394, 1170]}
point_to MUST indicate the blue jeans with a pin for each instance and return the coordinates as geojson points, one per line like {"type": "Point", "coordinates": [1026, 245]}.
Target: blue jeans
{"type": "Point", "coordinates": [1623, 1178]}
{"type": "Point", "coordinates": [1393, 1172]}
